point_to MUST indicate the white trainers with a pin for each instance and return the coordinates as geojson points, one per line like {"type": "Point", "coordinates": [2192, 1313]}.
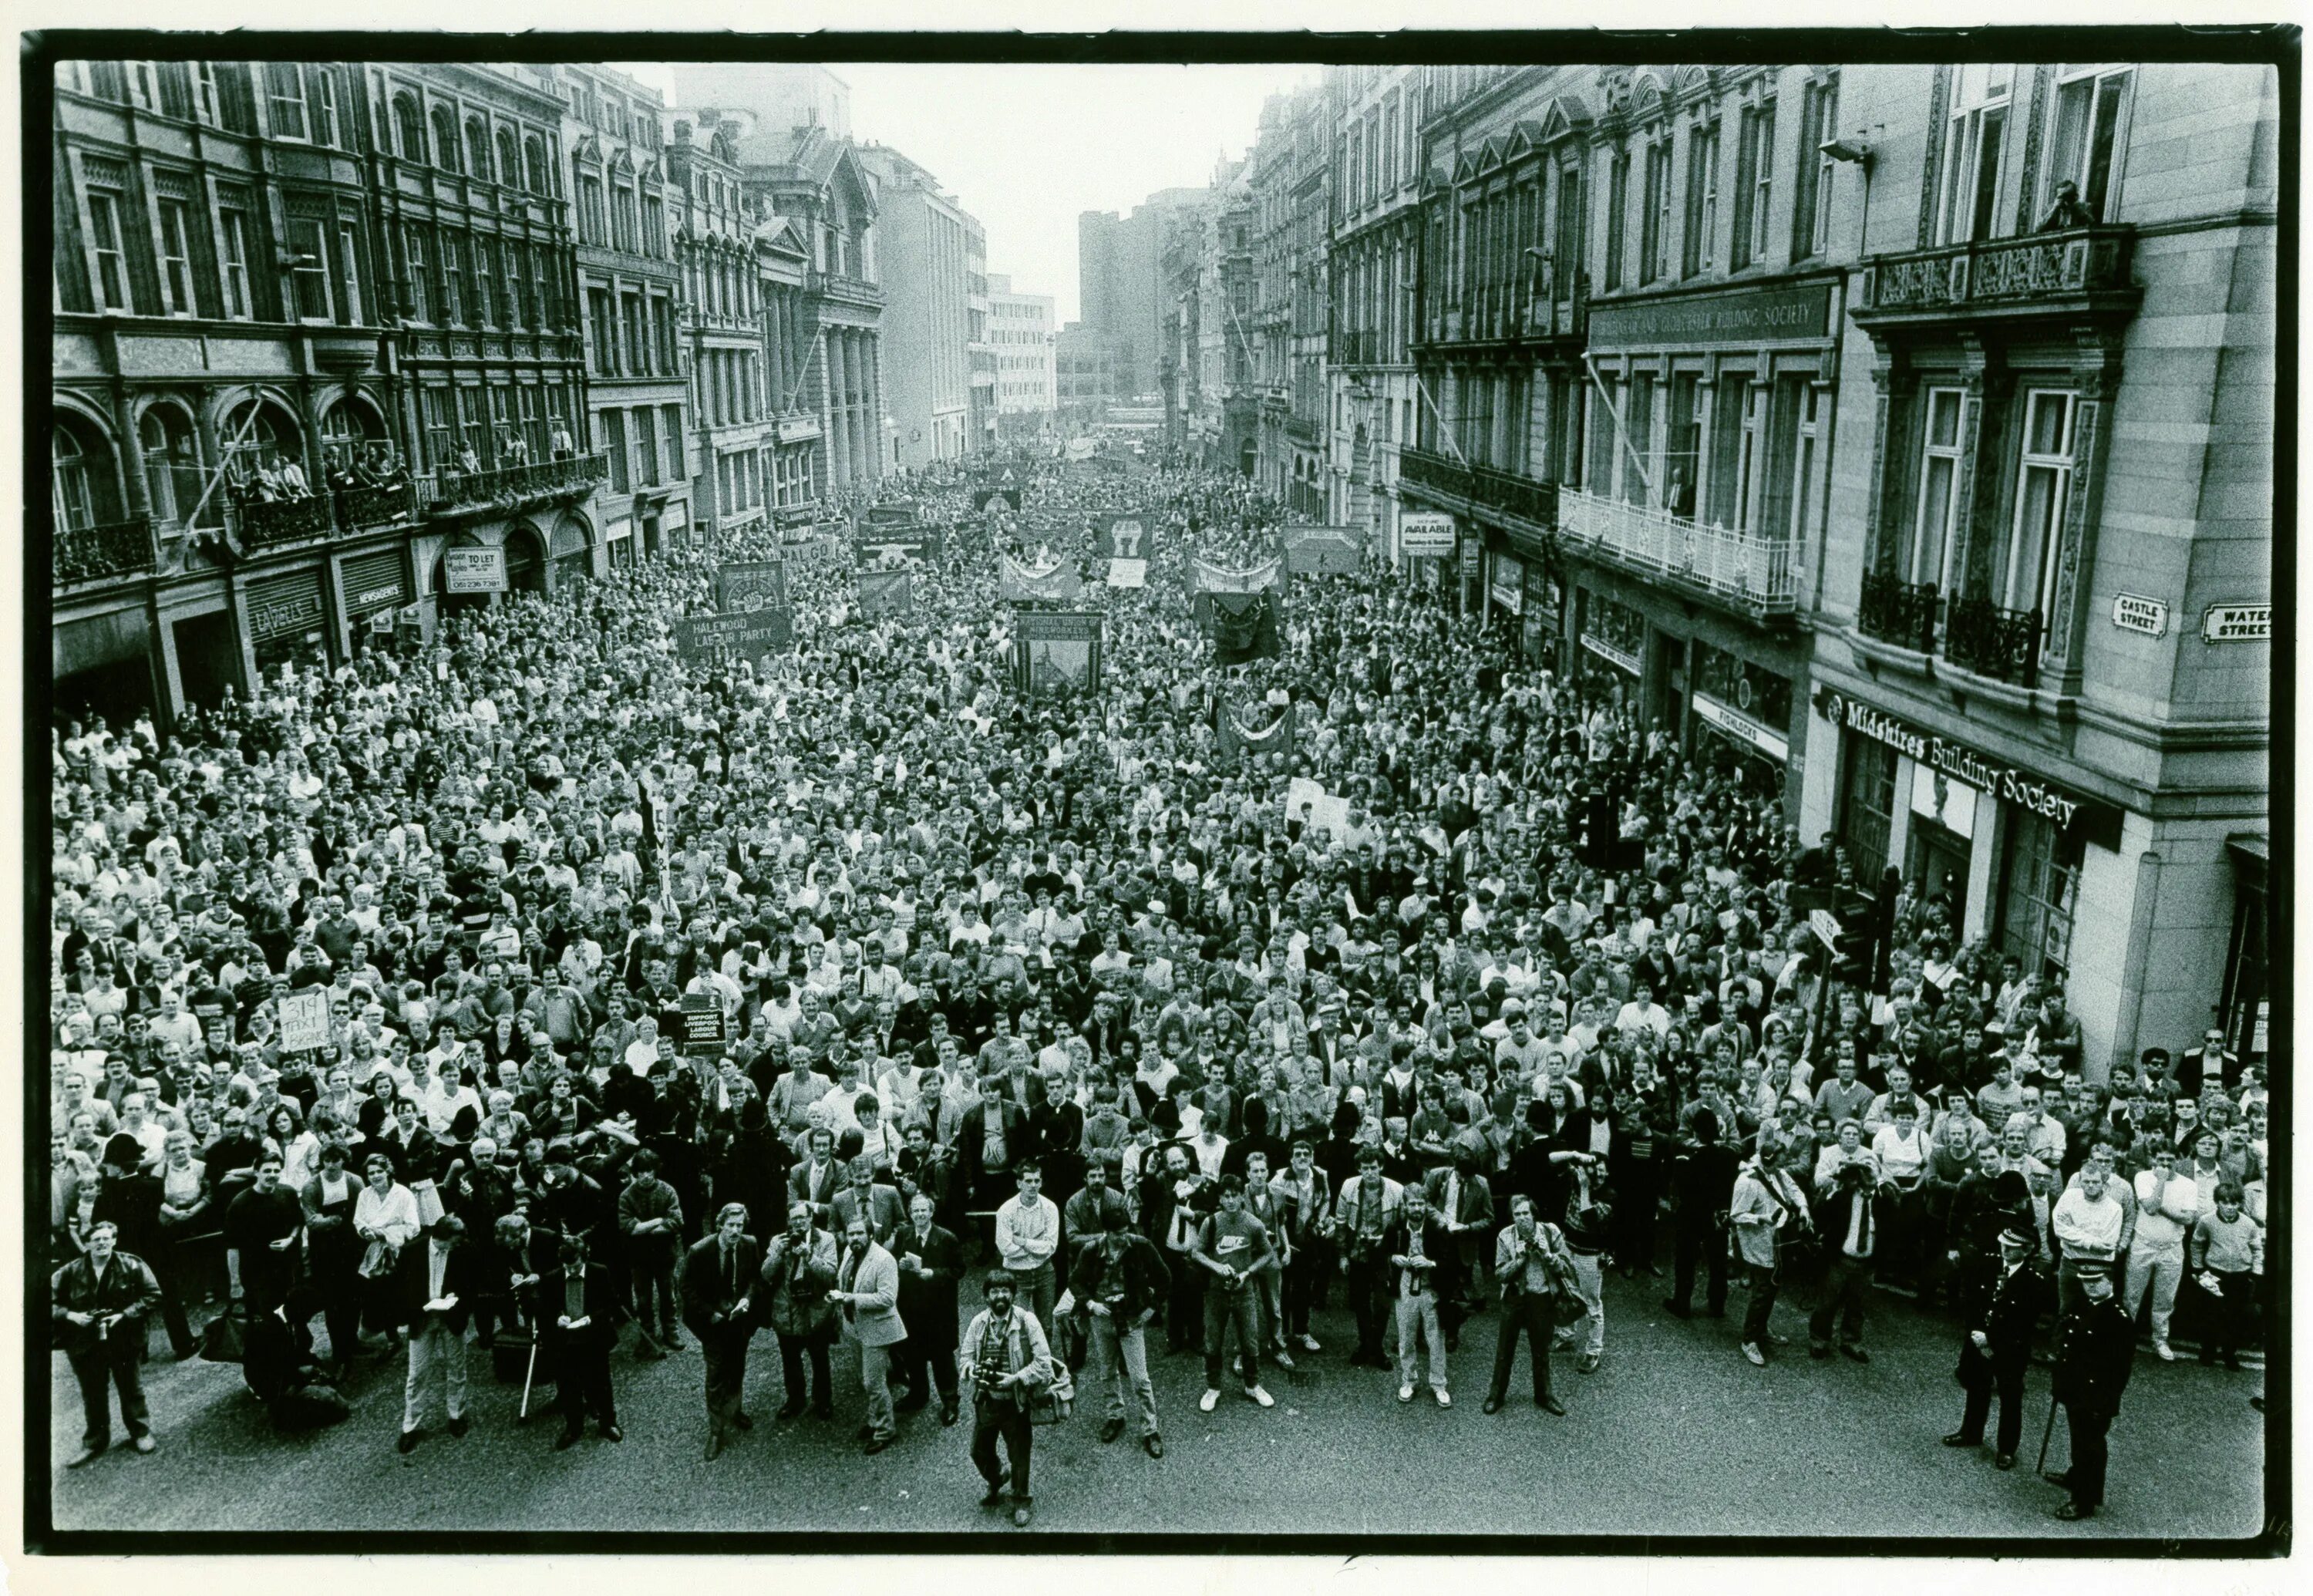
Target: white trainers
{"type": "Point", "coordinates": [1406, 1393]}
{"type": "Point", "coordinates": [1261, 1397]}
{"type": "Point", "coordinates": [1283, 1359]}
{"type": "Point", "coordinates": [1309, 1345]}
{"type": "Point", "coordinates": [1443, 1399]}
{"type": "Point", "coordinates": [2164, 1351]}
{"type": "Point", "coordinates": [1206, 1403]}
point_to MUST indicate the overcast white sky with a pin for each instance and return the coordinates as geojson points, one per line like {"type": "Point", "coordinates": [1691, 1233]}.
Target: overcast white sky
{"type": "Point", "coordinates": [1025, 147]}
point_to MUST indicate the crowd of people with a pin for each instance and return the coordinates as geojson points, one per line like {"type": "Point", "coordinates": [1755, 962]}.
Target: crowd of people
{"type": "Point", "coordinates": [1057, 1005]}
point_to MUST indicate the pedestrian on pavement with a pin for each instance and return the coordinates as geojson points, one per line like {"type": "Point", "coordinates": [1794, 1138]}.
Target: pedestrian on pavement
{"type": "Point", "coordinates": [1367, 1208]}
{"type": "Point", "coordinates": [99, 1303]}
{"type": "Point", "coordinates": [577, 1309]}
{"type": "Point", "coordinates": [798, 1272]}
{"type": "Point", "coordinates": [2167, 1206]}
{"type": "Point", "coordinates": [1028, 1239]}
{"type": "Point", "coordinates": [1120, 1285]}
{"type": "Point", "coordinates": [718, 1280]}
{"type": "Point", "coordinates": [1770, 1221]}
{"type": "Point", "coordinates": [1703, 1184]}
{"type": "Point", "coordinates": [1417, 1244]}
{"type": "Point", "coordinates": [1231, 1247]}
{"type": "Point", "coordinates": [867, 1290]}
{"type": "Point", "coordinates": [1996, 1350]}
{"type": "Point", "coordinates": [650, 1223]}
{"type": "Point", "coordinates": [931, 1264]}
{"type": "Point", "coordinates": [1847, 1190]}
{"type": "Point", "coordinates": [2095, 1350]}
{"type": "Point", "coordinates": [1005, 1358]}
{"type": "Point", "coordinates": [1531, 1263]}
{"type": "Point", "coordinates": [439, 1278]}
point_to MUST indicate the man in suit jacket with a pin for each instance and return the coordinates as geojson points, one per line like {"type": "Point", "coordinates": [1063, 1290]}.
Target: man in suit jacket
{"type": "Point", "coordinates": [718, 1280]}
{"type": "Point", "coordinates": [1416, 1245]}
{"type": "Point", "coordinates": [576, 1305]}
{"type": "Point", "coordinates": [868, 1198]}
{"type": "Point", "coordinates": [817, 1177]}
{"type": "Point", "coordinates": [867, 1290]}
{"type": "Point", "coordinates": [98, 1303]}
{"type": "Point", "coordinates": [1464, 1204]}
{"type": "Point", "coordinates": [438, 1281]}
{"type": "Point", "coordinates": [1998, 1348]}
{"type": "Point", "coordinates": [931, 1263]}
{"type": "Point", "coordinates": [798, 1269]}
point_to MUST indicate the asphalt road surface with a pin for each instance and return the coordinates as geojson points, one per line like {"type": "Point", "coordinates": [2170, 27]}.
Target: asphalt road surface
{"type": "Point", "coordinates": [1675, 1434]}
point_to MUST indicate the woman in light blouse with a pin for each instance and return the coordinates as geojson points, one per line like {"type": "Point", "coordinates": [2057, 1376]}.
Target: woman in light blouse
{"type": "Point", "coordinates": [386, 1212]}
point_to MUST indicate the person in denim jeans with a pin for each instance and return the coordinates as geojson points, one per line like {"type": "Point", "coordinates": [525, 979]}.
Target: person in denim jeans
{"type": "Point", "coordinates": [1768, 1212]}
{"type": "Point", "coordinates": [1119, 1282]}
{"type": "Point", "coordinates": [1418, 1244]}
{"type": "Point", "coordinates": [1231, 1247]}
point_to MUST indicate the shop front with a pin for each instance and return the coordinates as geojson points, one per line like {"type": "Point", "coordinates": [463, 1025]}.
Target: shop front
{"type": "Point", "coordinates": [1613, 640]}
{"type": "Point", "coordinates": [373, 585]}
{"type": "Point", "coordinates": [1545, 616]}
{"type": "Point", "coordinates": [287, 618]}
{"type": "Point", "coordinates": [1742, 717]}
{"type": "Point", "coordinates": [2008, 849]}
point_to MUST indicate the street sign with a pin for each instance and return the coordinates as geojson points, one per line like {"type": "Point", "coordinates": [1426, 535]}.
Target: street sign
{"type": "Point", "coordinates": [1824, 925]}
{"type": "Point", "coordinates": [2237, 623]}
{"type": "Point", "coordinates": [304, 1020]}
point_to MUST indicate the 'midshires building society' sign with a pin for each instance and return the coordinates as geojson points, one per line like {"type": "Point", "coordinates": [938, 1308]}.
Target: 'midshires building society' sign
{"type": "Point", "coordinates": [2098, 822]}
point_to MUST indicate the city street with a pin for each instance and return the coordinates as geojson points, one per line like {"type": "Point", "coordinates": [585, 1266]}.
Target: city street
{"type": "Point", "coordinates": [1673, 1434]}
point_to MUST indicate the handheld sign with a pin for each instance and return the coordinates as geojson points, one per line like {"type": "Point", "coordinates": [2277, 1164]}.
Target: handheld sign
{"type": "Point", "coordinates": [304, 1020]}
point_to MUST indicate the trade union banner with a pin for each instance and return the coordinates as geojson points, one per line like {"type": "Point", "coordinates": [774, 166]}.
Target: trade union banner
{"type": "Point", "coordinates": [981, 497]}
{"type": "Point", "coordinates": [1208, 578]}
{"type": "Point", "coordinates": [1259, 727]}
{"type": "Point", "coordinates": [1055, 583]}
{"type": "Point", "coordinates": [1324, 550]}
{"type": "Point", "coordinates": [1128, 536]}
{"type": "Point", "coordinates": [752, 585]}
{"type": "Point", "coordinates": [887, 592]}
{"type": "Point", "coordinates": [1244, 627]}
{"type": "Point", "coordinates": [1056, 652]}
{"type": "Point", "coordinates": [893, 543]}
{"type": "Point", "coordinates": [716, 640]}
{"type": "Point", "coordinates": [895, 512]}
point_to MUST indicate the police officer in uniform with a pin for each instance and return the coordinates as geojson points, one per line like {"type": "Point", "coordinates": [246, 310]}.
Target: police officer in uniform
{"type": "Point", "coordinates": [2095, 1347]}
{"type": "Point", "coordinates": [1997, 1349]}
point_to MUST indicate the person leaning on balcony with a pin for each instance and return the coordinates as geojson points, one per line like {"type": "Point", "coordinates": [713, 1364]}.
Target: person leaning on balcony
{"type": "Point", "coordinates": [292, 477]}
{"type": "Point", "coordinates": [470, 463]}
{"type": "Point", "coordinates": [516, 449]}
{"type": "Point", "coordinates": [2065, 210]}
{"type": "Point", "coordinates": [560, 443]}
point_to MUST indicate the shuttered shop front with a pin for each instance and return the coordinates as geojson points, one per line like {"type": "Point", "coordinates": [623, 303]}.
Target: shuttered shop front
{"type": "Point", "coordinates": [286, 606]}
{"type": "Point", "coordinates": [373, 582]}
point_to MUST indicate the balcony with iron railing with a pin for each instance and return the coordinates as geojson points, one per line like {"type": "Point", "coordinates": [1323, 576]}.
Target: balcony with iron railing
{"type": "Point", "coordinates": [1972, 633]}
{"type": "Point", "coordinates": [1753, 572]}
{"type": "Point", "coordinates": [2076, 270]}
{"type": "Point", "coordinates": [452, 492]}
{"type": "Point", "coordinates": [268, 524]}
{"type": "Point", "coordinates": [81, 554]}
{"type": "Point", "coordinates": [1897, 611]}
{"type": "Point", "coordinates": [1481, 487]}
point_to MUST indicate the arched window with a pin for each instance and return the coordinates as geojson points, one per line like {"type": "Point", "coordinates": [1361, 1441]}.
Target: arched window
{"type": "Point", "coordinates": [347, 431]}
{"type": "Point", "coordinates": [173, 466]}
{"type": "Point", "coordinates": [509, 159]}
{"type": "Point", "coordinates": [445, 138]}
{"type": "Point", "coordinates": [534, 148]}
{"type": "Point", "coordinates": [72, 480]}
{"type": "Point", "coordinates": [259, 435]}
{"type": "Point", "coordinates": [409, 124]}
{"type": "Point", "coordinates": [477, 148]}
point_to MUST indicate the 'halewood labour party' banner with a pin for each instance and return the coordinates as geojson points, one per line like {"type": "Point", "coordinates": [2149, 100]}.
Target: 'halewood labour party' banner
{"type": "Point", "coordinates": [886, 593]}
{"type": "Point", "coordinates": [752, 585]}
{"type": "Point", "coordinates": [1055, 652]}
{"type": "Point", "coordinates": [748, 634]}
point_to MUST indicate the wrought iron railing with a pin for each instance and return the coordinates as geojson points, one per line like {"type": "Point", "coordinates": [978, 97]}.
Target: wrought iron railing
{"type": "Point", "coordinates": [377, 504]}
{"type": "Point", "coordinates": [1757, 571]}
{"type": "Point", "coordinates": [2001, 644]}
{"type": "Point", "coordinates": [1897, 611]}
{"type": "Point", "coordinates": [92, 553]}
{"type": "Point", "coordinates": [1506, 491]}
{"type": "Point", "coordinates": [451, 492]}
{"type": "Point", "coordinates": [264, 524]}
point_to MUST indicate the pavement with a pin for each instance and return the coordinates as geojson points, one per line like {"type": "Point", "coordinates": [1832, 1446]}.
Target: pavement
{"type": "Point", "coordinates": [1675, 1434]}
